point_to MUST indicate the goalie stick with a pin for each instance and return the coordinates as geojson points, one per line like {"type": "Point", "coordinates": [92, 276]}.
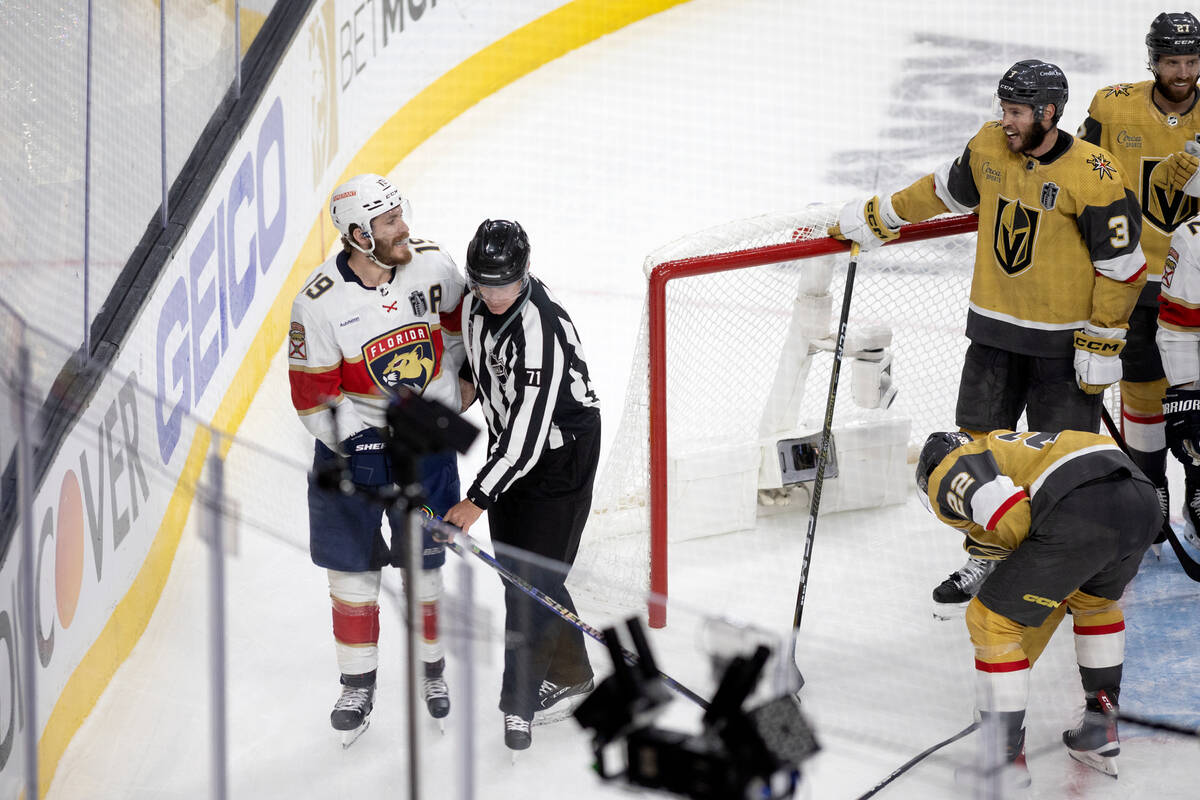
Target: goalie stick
{"type": "Point", "coordinates": [1190, 566]}
{"type": "Point", "coordinates": [470, 545]}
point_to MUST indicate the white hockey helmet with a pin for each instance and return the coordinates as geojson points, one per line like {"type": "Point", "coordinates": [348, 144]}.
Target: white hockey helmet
{"type": "Point", "coordinates": [360, 200]}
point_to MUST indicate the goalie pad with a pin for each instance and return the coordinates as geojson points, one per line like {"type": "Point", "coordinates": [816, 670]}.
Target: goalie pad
{"type": "Point", "coordinates": [871, 373]}
{"type": "Point", "coordinates": [872, 384]}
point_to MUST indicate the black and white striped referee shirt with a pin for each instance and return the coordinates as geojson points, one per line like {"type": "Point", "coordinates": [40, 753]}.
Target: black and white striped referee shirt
{"type": "Point", "coordinates": [532, 382]}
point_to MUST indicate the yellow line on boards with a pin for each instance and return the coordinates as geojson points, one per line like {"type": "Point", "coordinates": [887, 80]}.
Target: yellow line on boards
{"type": "Point", "coordinates": [501, 63]}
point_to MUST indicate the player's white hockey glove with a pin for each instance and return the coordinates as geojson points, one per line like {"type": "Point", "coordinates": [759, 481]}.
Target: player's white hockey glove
{"type": "Point", "coordinates": [870, 223]}
{"type": "Point", "coordinates": [1097, 357]}
{"type": "Point", "coordinates": [1178, 171]}
{"type": "Point", "coordinates": [1181, 412]}
{"type": "Point", "coordinates": [369, 463]}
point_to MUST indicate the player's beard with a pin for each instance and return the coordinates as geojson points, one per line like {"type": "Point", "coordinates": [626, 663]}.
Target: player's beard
{"type": "Point", "coordinates": [1174, 94]}
{"type": "Point", "coordinates": [393, 256]}
{"type": "Point", "coordinates": [1032, 139]}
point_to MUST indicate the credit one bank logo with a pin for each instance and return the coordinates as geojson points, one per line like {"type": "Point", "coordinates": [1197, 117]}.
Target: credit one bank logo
{"type": "Point", "coordinates": [238, 241]}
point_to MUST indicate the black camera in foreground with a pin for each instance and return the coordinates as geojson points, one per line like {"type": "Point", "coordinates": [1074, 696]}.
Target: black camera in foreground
{"type": "Point", "coordinates": [739, 753]}
{"type": "Point", "coordinates": [419, 426]}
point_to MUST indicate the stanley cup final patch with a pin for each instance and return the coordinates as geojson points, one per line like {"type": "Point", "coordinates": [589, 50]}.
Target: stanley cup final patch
{"type": "Point", "coordinates": [407, 356]}
{"type": "Point", "coordinates": [417, 300]}
{"type": "Point", "coordinates": [297, 347]}
{"type": "Point", "coordinates": [1049, 195]}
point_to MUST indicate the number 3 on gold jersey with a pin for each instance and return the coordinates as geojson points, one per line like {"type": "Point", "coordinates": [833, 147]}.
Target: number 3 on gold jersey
{"type": "Point", "coordinates": [1119, 225]}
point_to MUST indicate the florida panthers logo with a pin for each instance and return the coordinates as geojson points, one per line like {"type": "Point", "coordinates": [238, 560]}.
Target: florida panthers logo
{"type": "Point", "coordinates": [408, 356]}
{"type": "Point", "coordinates": [1015, 235]}
{"type": "Point", "coordinates": [1163, 208]}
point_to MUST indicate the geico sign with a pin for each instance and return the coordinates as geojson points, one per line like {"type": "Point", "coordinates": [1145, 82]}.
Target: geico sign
{"type": "Point", "coordinates": [203, 305]}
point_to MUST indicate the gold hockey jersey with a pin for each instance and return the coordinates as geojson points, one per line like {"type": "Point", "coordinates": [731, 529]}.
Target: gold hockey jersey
{"type": "Point", "coordinates": [1124, 120]}
{"type": "Point", "coordinates": [997, 488]}
{"type": "Point", "coordinates": [1057, 245]}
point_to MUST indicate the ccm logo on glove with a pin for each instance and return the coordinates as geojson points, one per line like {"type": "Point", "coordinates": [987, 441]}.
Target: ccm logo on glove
{"type": "Point", "coordinates": [1103, 346]}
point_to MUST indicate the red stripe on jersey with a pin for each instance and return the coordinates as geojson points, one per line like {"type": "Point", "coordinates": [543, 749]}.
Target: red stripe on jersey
{"type": "Point", "coordinates": [1003, 666]}
{"type": "Point", "coordinates": [1142, 419]}
{"type": "Point", "coordinates": [313, 389]}
{"type": "Point", "coordinates": [1131, 278]}
{"type": "Point", "coordinates": [1099, 630]}
{"type": "Point", "coordinates": [355, 624]}
{"type": "Point", "coordinates": [1176, 314]}
{"type": "Point", "coordinates": [452, 320]}
{"type": "Point", "coordinates": [1004, 507]}
{"type": "Point", "coordinates": [356, 378]}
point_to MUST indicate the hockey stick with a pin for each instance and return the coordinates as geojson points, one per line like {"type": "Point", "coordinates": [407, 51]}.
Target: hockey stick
{"type": "Point", "coordinates": [1158, 725]}
{"type": "Point", "coordinates": [1190, 566]}
{"type": "Point", "coordinates": [462, 542]}
{"type": "Point", "coordinates": [912, 762]}
{"type": "Point", "coordinates": [826, 436]}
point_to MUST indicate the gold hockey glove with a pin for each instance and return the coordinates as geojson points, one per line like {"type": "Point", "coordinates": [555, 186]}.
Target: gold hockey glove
{"type": "Point", "coordinates": [1097, 357]}
{"type": "Point", "coordinates": [1177, 173]}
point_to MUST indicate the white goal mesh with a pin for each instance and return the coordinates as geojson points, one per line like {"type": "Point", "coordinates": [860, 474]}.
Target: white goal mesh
{"type": "Point", "coordinates": [725, 328]}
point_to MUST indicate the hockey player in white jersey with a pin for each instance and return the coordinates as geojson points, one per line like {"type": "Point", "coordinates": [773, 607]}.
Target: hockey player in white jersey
{"type": "Point", "coordinates": [1179, 346]}
{"type": "Point", "coordinates": [381, 314]}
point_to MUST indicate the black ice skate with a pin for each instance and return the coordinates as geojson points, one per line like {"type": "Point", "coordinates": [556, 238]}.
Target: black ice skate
{"type": "Point", "coordinates": [352, 711]}
{"type": "Point", "coordinates": [556, 702]}
{"type": "Point", "coordinates": [1191, 511]}
{"type": "Point", "coordinates": [517, 735]}
{"type": "Point", "coordinates": [1009, 779]}
{"type": "Point", "coordinates": [1095, 741]}
{"type": "Point", "coordinates": [434, 689]}
{"type": "Point", "coordinates": [1164, 505]}
{"type": "Point", "coordinates": [951, 596]}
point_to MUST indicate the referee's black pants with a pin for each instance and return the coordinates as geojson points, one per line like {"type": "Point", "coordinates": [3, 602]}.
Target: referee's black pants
{"type": "Point", "coordinates": [536, 525]}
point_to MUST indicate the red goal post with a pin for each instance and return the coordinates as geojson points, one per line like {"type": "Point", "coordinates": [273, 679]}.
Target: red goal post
{"type": "Point", "coordinates": [720, 309]}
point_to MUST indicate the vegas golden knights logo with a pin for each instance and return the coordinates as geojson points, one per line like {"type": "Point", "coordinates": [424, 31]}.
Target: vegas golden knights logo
{"type": "Point", "coordinates": [1015, 235]}
{"type": "Point", "coordinates": [1163, 208]}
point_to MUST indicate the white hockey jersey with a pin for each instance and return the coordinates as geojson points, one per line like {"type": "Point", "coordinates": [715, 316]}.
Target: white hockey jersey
{"type": "Point", "coordinates": [1179, 307]}
{"type": "Point", "coordinates": [350, 346]}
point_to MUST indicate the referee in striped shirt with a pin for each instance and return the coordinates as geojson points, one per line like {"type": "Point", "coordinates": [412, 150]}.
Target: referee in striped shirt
{"type": "Point", "coordinates": [543, 421]}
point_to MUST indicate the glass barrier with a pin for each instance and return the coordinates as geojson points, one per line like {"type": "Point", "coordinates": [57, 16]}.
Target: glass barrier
{"type": "Point", "coordinates": [104, 120]}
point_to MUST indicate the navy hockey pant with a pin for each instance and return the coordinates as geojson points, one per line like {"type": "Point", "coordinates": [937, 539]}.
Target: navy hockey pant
{"type": "Point", "coordinates": [345, 531]}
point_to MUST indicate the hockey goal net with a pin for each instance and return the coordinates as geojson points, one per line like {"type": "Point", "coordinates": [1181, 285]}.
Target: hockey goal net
{"type": "Point", "coordinates": [735, 319]}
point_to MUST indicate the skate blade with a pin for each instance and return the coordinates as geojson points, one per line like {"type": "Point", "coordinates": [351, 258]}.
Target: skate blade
{"type": "Point", "coordinates": [947, 611]}
{"type": "Point", "coordinates": [560, 711]}
{"type": "Point", "coordinates": [1156, 549]}
{"type": "Point", "coordinates": [1013, 782]}
{"type": "Point", "coordinates": [1105, 764]}
{"type": "Point", "coordinates": [350, 737]}
{"type": "Point", "coordinates": [1188, 534]}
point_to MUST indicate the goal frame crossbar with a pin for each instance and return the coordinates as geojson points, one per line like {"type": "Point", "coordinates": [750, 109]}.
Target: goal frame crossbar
{"type": "Point", "coordinates": [659, 277]}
